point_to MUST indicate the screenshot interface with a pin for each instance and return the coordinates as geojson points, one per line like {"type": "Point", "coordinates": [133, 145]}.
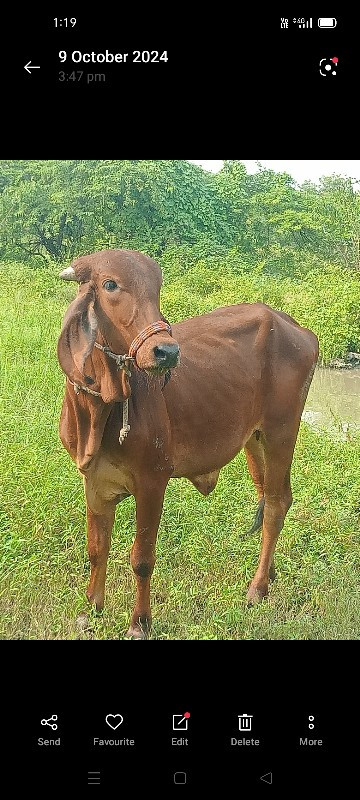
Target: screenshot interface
{"type": "Point", "coordinates": [180, 374]}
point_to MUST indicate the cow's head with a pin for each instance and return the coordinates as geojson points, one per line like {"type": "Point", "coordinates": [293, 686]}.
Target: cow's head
{"type": "Point", "coordinates": [119, 296]}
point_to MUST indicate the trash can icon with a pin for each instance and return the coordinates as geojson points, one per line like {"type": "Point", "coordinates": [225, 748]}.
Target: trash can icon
{"type": "Point", "coordinates": [245, 722]}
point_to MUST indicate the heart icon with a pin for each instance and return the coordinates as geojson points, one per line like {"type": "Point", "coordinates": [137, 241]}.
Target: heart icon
{"type": "Point", "coordinates": [114, 720]}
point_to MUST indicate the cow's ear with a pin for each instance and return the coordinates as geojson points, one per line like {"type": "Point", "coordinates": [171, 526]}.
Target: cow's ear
{"type": "Point", "coordinates": [78, 334]}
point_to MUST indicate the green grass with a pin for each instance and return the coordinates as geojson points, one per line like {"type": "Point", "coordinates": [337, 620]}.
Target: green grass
{"type": "Point", "coordinates": [203, 563]}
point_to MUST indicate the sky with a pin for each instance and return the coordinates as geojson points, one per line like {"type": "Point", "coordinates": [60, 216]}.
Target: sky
{"type": "Point", "coordinates": [300, 170]}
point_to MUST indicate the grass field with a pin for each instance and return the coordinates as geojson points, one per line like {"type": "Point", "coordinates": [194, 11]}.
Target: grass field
{"type": "Point", "coordinates": [203, 562]}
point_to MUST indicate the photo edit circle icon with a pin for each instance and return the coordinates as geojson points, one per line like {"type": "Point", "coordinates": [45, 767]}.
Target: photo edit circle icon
{"type": "Point", "coordinates": [328, 66]}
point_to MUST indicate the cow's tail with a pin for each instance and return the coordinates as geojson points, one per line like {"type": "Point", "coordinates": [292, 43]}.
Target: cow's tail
{"type": "Point", "coordinates": [259, 516]}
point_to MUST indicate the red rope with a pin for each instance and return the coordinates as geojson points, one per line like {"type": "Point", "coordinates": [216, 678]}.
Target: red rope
{"type": "Point", "coordinates": [155, 327]}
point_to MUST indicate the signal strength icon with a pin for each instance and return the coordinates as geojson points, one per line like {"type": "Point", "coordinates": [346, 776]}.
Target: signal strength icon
{"type": "Point", "coordinates": [303, 23]}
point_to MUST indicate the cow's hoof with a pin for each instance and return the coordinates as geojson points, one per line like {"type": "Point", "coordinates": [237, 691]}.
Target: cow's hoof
{"type": "Point", "coordinates": [139, 630]}
{"type": "Point", "coordinates": [256, 594]}
{"type": "Point", "coordinates": [135, 633]}
{"type": "Point", "coordinates": [82, 622]}
{"type": "Point", "coordinates": [96, 602]}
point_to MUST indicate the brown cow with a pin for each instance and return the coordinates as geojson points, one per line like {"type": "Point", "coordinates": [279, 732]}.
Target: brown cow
{"type": "Point", "coordinates": [242, 382]}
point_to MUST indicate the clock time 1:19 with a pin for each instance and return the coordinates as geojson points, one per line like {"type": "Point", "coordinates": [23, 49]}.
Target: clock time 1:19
{"type": "Point", "coordinates": [65, 22]}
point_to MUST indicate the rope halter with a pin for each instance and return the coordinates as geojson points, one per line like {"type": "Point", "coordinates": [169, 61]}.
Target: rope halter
{"type": "Point", "coordinates": [155, 327]}
{"type": "Point", "coordinates": [122, 363]}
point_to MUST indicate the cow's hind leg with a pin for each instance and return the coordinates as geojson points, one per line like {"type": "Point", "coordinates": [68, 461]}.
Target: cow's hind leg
{"type": "Point", "coordinates": [149, 501]}
{"type": "Point", "coordinates": [278, 453]}
{"type": "Point", "coordinates": [254, 452]}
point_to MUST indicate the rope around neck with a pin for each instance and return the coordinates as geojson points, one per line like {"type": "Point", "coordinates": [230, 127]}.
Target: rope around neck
{"type": "Point", "coordinates": [121, 360]}
{"type": "Point", "coordinates": [78, 388]}
{"type": "Point", "coordinates": [125, 409]}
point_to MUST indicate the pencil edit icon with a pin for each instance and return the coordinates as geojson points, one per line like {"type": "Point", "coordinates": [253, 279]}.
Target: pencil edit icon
{"type": "Point", "coordinates": [180, 721]}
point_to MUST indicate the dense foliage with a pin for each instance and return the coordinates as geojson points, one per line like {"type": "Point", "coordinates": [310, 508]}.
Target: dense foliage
{"type": "Point", "coordinates": [234, 236]}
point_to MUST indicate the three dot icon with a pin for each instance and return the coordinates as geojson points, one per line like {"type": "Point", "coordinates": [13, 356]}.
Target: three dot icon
{"type": "Point", "coordinates": [311, 723]}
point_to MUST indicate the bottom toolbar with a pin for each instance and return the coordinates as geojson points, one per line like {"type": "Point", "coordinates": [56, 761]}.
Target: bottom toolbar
{"type": "Point", "coordinates": [186, 743]}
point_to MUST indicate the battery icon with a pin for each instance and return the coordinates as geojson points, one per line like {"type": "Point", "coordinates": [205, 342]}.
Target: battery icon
{"type": "Point", "coordinates": [327, 22]}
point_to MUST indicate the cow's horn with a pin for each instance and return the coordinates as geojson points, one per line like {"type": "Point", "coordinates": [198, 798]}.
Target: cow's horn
{"type": "Point", "coordinates": [68, 274]}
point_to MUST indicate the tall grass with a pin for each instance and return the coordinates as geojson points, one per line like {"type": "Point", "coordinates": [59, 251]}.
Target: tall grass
{"type": "Point", "coordinates": [203, 562]}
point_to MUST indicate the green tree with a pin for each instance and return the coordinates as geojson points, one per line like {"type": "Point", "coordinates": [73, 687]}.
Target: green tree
{"type": "Point", "coordinates": [334, 207]}
{"type": "Point", "coordinates": [55, 209]}
{"type": "Point", "coordinates": [43, 209]}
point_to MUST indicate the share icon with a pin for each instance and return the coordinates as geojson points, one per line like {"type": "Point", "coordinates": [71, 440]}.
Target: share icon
{"type": "Point", "coordinates": [50, 722]}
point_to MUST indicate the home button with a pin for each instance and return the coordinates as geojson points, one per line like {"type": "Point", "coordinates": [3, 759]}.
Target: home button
{"type": "Point", "coordinates": [179, 777]}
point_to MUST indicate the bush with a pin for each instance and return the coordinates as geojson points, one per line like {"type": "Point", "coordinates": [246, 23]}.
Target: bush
{"type": "Point", "coordinates": [323, 302]}
{"type": "Point", "coordinates": [326, 301]}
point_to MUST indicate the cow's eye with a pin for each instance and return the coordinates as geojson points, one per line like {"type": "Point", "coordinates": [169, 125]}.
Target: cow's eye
{"type": "Point", "coordinates": [110, 286]}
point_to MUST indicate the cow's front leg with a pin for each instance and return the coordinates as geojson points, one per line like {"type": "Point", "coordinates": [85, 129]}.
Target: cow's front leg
{"type": "Point", "coordinates": [149, 502]}
{"type": "Point", "coordinates": [99, 527]}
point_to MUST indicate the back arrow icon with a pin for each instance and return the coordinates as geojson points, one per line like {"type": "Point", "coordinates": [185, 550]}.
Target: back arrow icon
{"type": "Point", "coordinates": [267, 778]}
{"type": "Point", "coordinates": [30, 66]}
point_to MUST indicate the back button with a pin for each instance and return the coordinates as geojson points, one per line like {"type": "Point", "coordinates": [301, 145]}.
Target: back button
{"type": "Point", "coordinates": [267, 778]}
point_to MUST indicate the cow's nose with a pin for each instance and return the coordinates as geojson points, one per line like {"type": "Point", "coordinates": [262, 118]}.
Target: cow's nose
{"type": "Point", "coordinates": [167, 355]}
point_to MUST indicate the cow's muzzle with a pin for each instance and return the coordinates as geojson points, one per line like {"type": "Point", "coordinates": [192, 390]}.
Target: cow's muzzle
{"type": "Point", "coordinates": [167, 355]}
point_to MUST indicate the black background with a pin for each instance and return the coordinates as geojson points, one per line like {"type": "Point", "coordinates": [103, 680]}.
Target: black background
{"type": "Point", "coordinates": [235, 86]}
{"type": "Point", "coordinates": [279, 683]}
{"type": "Point", "coordinates": [232, 78]}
